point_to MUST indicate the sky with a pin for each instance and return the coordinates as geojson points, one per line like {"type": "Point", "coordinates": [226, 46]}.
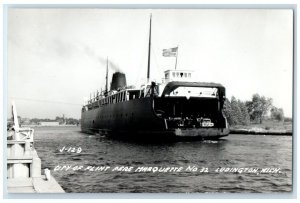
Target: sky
{"type": "Point", "coordinates": [56, 57]}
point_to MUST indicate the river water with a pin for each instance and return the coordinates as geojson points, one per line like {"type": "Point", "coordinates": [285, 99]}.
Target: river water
{"type": "Point", "coordinates": [264, 163]}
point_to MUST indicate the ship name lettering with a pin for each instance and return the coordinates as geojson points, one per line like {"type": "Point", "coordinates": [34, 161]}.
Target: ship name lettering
{"type": "Point", "coordinates": [97, 168]}
{"type": "Point", "coordinates": [61, 168]}
{"type": "Point", "coordinates": [123, 168]}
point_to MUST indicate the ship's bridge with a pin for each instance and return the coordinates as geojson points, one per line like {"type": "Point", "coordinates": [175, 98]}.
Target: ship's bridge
{"type": "Point", "coordinates": [178, 75]}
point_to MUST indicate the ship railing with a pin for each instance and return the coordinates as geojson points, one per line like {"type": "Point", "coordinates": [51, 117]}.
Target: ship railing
{"type": "Point", "coordinates": [27, 134]}
{"type": "Point", "coordinates": [21, 135]}
{"type": "Point", "coordinates": [114, 97]}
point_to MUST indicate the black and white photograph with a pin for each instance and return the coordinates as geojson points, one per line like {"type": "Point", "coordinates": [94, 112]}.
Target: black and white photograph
{"type": "Point", "coordinates": [149, 100]}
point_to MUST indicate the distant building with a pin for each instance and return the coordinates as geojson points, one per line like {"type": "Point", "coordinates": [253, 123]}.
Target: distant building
{"type": "Point", "coordinates": [49, 123]}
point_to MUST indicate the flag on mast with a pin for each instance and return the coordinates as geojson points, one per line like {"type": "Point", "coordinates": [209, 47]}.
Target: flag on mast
{"type": "Point", "coordinates": [170, 52]}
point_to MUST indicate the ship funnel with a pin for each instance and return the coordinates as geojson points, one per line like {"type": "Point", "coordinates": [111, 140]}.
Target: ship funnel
{"type": "Point", "coordinates": [118, 81]}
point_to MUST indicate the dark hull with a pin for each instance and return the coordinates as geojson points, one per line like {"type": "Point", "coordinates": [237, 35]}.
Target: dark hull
{"type": "Point", "coordinates": [137, 118]}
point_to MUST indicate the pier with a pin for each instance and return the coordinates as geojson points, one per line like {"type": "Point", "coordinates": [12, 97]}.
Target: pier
{"type": "Point", "coordinates": [24, 173]}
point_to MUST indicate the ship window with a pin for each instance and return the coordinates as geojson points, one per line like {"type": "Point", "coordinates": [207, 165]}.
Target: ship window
{"type": "Point", "coordinates": [181, 74]}
{"type": "Point", "coordinates": [189, 75]}
{"type": "Point", "coordinates": [173, 74]}
{"type": "Point", "coordinates": [185, 75]}
{"type": "Point", "coordinates": [167, 75]}
{"type": "Point", "coordinates": [177, 74]}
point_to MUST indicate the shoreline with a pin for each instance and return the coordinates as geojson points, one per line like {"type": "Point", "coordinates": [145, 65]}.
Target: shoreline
{"type": "Point", "coordinates": [31, 126]}
{"type": "Point", "coordinates": [244, 131]}
{"type": "Point", "coordinates": [261, 132]}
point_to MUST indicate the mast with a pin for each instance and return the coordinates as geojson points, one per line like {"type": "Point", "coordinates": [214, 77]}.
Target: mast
{"type": "Point", "coordinates": [149, 50]}
{"type": "Point", "coordinates": [106, 78]}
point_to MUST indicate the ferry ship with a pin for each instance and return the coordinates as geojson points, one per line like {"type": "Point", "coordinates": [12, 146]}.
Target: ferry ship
{"type": "Point", "coordinates": [178, 106]}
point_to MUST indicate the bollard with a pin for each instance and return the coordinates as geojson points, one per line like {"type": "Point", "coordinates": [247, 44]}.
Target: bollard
{"type": "Point", "coordinates": [47, 174]}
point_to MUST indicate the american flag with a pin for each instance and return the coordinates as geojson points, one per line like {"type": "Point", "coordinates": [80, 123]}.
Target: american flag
{"type": "Point", "coordinates": [170, 52]}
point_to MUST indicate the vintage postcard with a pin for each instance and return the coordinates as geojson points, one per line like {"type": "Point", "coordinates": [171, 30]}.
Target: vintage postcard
{"type": "Point", "coordinates": [110, 100]}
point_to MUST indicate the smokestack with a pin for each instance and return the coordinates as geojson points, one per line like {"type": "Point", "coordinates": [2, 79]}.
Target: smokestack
{"type": "Point", "coordinates": [118, 81]}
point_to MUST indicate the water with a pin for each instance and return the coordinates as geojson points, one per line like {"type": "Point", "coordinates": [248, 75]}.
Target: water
{"type": "Point", "coordinates": [242, 151]}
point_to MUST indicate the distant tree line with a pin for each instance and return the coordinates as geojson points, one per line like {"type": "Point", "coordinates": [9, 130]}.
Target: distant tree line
{"type": "Point", "coordinates": [238, 112]}
{"type": "Point", "coordinates": [61, 120]}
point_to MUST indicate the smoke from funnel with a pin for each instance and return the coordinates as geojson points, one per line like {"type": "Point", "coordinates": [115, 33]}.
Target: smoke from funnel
{"type": "Point", "coordinates": [111, 65]}
{"type": "Point", "coordinates": [92, 54]}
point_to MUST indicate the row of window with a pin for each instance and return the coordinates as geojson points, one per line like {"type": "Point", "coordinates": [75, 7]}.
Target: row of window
{"type": "Point", "coordinates": [119, 97]}
{"type": "Point", "coordinates": [179, 75]}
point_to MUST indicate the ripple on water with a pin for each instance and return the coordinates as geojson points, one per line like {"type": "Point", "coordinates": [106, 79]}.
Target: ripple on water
{"type": "Point", "coordinates": [234, 151]}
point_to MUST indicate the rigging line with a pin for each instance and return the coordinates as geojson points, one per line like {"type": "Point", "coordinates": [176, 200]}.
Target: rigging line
{"type": "Point", "coordinates": [45, 101]}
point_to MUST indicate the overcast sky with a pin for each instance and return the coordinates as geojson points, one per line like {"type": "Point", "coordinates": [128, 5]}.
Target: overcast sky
{"type": "Point", "coordinates": [56, 57]}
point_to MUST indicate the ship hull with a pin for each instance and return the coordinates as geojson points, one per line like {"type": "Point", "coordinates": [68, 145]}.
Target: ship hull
{"type": "Point", "coordinates": [137, 118]}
